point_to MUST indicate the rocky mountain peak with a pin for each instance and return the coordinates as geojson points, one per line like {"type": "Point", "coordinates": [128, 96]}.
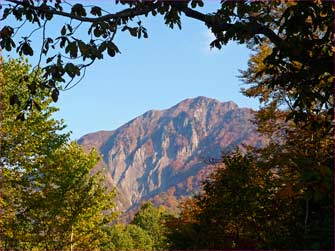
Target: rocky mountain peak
{"type": "Point", "coordinates": [158, 155]}
{"type": "Point", "coordinates": [193, 105]}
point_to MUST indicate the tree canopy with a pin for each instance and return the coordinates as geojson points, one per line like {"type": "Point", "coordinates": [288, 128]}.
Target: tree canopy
{"type": "Point", "coordinates": [50, 199]}
{"type": "Point", "coordinates": [299, 35]}
{"type": "Point", "coordinates": [277, 197]}
{"type": "Point", "coordinates": [147, 231]}
{"type": "Point", "coordinates": [152, 220]}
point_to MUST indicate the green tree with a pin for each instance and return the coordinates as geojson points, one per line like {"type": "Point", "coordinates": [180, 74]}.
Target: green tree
{"type": "Point", "coordinates": [23, 143]}
{"type": "Point", "coordinates": [119, 238]}
{"type": "Point", "coordinates": [141, 238]}
{"type": "Point", "coordinates": [50, 197]}
{"type": "Point", "coordinates": [128, 237]}
{"type": "Point", "coordinates": [153, 220]}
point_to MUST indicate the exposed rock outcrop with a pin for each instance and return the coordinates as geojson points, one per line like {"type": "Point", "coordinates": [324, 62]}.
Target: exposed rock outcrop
{"type": "Point", "coordinates": [159, 155]}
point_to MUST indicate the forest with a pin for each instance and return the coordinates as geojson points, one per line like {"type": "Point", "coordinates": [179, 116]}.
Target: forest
{"type": "Point", "coordinates": [278, 197]}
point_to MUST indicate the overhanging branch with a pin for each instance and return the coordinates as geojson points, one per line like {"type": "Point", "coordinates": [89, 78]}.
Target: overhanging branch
{"type": "Point", "coordinates": [126, 13]}
{"type": "Point", "coordinates": [210, 20]}
{"type": "Point", "coordinates": [213, 21]}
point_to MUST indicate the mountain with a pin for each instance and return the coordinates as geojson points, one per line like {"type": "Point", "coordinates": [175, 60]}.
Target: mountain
{"type": "Point", "coordinates": [160, 154]}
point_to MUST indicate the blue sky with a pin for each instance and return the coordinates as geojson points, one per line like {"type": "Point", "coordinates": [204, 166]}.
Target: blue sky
{"type": "Point", "coordinates": [154, 73]}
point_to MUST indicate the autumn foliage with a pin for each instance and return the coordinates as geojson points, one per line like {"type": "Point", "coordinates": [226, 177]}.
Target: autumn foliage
{"type": "Point", "coordinates": [277, 197]}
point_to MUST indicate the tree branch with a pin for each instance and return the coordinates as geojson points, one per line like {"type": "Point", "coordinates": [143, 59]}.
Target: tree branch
{"type": "Point", "coordinates": [216, 22]}
{"type": "Point", "coordinates": [210, 20]}
{"type": "Point", "coordinates": [126, 13]}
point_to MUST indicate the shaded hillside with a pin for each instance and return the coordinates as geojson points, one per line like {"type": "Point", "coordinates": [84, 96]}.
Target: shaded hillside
{"type": "Point", "coordinates": [159, 155]}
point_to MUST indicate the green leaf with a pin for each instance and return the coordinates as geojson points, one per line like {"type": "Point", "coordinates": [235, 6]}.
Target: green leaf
{"type": "Point", "coordinates": [37, 105]}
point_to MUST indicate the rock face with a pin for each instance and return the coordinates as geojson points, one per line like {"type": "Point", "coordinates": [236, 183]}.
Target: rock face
{"type": "Point", "coordinates": [160, 154]}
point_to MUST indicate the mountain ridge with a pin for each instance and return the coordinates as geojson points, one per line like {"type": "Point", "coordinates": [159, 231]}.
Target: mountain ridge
{"type": "Point", "coordinates": [159, 155]}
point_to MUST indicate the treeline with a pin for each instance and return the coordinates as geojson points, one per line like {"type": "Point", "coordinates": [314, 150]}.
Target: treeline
{"type": "Point", "coordinates": [280, 196]}
{"type": "Point", "coordinates": [277, 197]}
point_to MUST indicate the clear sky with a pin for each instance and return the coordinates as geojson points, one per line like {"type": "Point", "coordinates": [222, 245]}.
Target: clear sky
{"type": "Point", "coordinates": [154, 73]}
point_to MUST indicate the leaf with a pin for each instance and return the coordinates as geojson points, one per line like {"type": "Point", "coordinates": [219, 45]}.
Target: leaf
{"type": "Point", "coordinates": [21, 116]}
{"type": "Point", "coordinates": [96, 11]}
{"type": "Point", "coordinates": [286, 192]}
{"type": "Point", "coordinates": [48, 15]}
{"type": "Point", "coordinates": [6, 12]}
{"type": "Point", "coordinates": [78, 10]}
{"type": "Point", "coordinates": [37, 105]}
{"type": "Point", "coordinates": [83, 48]}
{"type": "Point", "coordinates": [97, 31]}
{"type": "Point", "coordinates": [63, 31]}
{"type": "Point", "coordinates": [63, 41]}
{"type": "Point", "coordinates": [72, 70]}
{"type": "Point", "coordinates": [133, 31]}
{"type": "Point", "coordinates": [32, 87]}
{"type": "Point", "coordinates": [111, 51]}
{"type": "Point", "coordinates": [69, 27]}
{"type": "Point", "coordinates": [49, 59]}
{"type": "Point", "coordinates": [102, 47]}
{"type": "Point", "coordinates": [47, 41]}
{"type": "Point", "coordinates": [14, 99]}
{"type": "Point", "coordinates": [6, 31]}
{"type": "Point", "coordinates": [55, 94]}
{"type": "Point", "coordinates": [124, 28]}
{"type": "Point", "coordinates": [26, 49]}
{"type": "Point", "coordinates": [72, 49]}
